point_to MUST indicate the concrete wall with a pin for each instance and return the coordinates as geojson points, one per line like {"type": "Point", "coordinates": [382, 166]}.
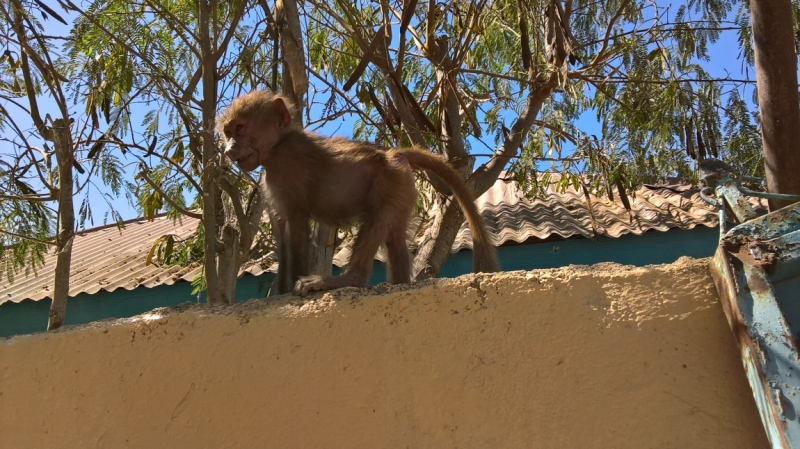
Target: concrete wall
{"type": "Point", "coordinates": [581, 357]}
{"type": "Point", "coordinates": [31, 316]}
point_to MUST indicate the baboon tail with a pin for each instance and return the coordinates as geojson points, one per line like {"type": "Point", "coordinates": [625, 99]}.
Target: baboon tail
{"type": "Point", "coordinates": [484, 254]}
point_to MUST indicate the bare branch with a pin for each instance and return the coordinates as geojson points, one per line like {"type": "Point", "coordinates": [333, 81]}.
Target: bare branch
{"type": "Point", "coordinates": [231, 31]}
{"type": "Point", "coordinates": [485, 175]}
{"type": "Point", "coordinates": [31, 198]}
{"type": "Point", "coordinates": [32, 239]}
{"type": "Point", "coordinates": [26, 72]}
{"type": "Point", "coordinates": [601, 54]}
{"type": "Point", "coordinates": [234, 196]}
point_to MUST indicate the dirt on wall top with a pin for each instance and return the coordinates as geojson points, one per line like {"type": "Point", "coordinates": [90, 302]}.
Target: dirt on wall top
{"type": "Point", "coordinates": [600, 356]}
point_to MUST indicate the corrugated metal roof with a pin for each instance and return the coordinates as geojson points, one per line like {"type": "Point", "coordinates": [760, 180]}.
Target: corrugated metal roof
{"type": "Point", "coordinates": [108, 258]}
{"type": "Point", "coordinates": [514, 218]}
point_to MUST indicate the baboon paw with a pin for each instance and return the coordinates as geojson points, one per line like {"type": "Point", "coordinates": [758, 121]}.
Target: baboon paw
{"type": "Point", "coordinates": [305, 285]}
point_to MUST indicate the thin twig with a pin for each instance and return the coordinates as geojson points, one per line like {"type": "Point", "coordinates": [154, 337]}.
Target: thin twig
{"type": "Point", "coordinates": [33, 239]}
{"type": "Point", "coordinates": [600, 54]}
{"type": "Point", "coordinates": [32, 198]}
{"type": "Point", "coordinates": [169, 200]}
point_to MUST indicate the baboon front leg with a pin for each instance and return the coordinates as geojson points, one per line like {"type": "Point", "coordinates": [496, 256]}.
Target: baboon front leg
{"type": "Point", "coordinates": [369, 238]}
{"type": "Point", "coordinates": [284, 280]}
{"type": "Point", "coordinates": [297, 237]}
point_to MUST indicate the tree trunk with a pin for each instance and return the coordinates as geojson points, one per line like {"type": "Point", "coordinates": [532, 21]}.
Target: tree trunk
{"type": "Point", "coordinates": [218, 290]}
{"type": "Point", "coordinates": [66, 221]}
{"type": "Point", "coordinates": [295, 80]}
{"type": "Point", "coordinates": [435, 247]}
{"type": "Point", "coordinates": [227, 264]}
{"type": "Point", "coordinates": [323, 242]}
{"type": "Point", "coordinates": [439, 238]}
{"type": "Point", "coordinates": [776, 76]}
{"type": "Point", "coordinates": [295, 86]}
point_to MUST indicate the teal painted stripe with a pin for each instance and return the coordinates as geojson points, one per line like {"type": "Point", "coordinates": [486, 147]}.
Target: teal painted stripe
{"type": "Point", "coordinates": [650, 248]}
{"type": "Point", "coordinates": [31, 316]}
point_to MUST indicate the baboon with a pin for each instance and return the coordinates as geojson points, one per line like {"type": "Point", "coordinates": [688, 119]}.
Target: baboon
{"type": "Point", "coordinates": [336, 181]}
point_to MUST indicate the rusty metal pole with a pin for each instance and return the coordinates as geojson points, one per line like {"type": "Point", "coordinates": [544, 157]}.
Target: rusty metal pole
{"type": "Point", "coordinates": [776, 76]}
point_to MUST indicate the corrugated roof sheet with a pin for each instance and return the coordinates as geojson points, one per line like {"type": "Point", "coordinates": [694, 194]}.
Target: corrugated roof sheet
{"type": "Point", "coordinates": [514, 218]}
{"type": "Point", "coordinates": [108, 258]}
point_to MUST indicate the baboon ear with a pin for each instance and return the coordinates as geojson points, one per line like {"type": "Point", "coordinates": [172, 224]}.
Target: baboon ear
{"type": "Point", "coordinates": [284, 117]}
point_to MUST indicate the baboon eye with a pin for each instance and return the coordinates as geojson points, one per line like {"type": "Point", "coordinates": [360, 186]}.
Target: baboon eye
{"type": "Point", "coordinates": [239, 128]}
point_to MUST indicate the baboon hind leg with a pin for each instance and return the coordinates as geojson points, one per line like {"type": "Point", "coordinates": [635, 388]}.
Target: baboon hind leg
{"type": "Point", "coordinates": [399, 263]}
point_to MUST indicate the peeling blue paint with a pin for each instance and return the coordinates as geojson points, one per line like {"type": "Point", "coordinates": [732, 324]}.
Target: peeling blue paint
{"type": "Point", "coordinates": [757, 273]}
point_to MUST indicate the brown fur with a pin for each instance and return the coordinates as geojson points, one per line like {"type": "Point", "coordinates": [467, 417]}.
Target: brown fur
{"type": "Point", "coordinates": [335, 181]}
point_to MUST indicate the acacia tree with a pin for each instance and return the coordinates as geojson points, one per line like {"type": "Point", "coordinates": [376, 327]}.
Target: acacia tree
{"type": "Point", "coordinates": [34, 83]}
{"type": "Point", "coordinates": [450, 75]}
{"type": "Point", "coordinates": [294, 85]}
{"type": "Point", "coordinates": [183, 62]}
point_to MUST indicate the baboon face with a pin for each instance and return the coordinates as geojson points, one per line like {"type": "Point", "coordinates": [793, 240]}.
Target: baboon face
{"type": "Point", "coordinates": [252, 127]}
{"type": "Point", "coordinates": [245, 147]}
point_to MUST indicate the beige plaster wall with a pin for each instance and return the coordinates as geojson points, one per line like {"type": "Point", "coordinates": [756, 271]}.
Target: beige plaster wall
{"type": "Point", "coordinates": [580, 357]}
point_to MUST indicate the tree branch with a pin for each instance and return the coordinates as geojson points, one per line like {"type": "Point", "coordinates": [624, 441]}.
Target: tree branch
{"type": "Point", "coordinates": [31, 198]}
{"type": "Point", "coordinates": [124, 44]}
{"type": "Point", "coordinates": [26, 74]}
{"type": "Point", "coordinates": [233, 194]}
{"type": "Point", "coordinates": [656, 28]}
{"type": "Point", "coordinates": [600, 54]}
{"type": "Point", "coordinates": [342, 94]}
{"type": "Point", "coordinates": [172, 203]}
{"type": "Point", "coordinates": [174, 23]}
{"type": "Point", "coordinates": [25, 237]}
{"type": "Point", "coordinates": [560, 131]}
{"type": "Point", "coordinates": [231, 31]}
{"type": "Point", "coordinates": [624, 80]}
{"type": "Point", "coordinates": [485, 175]}
{"type": "Point", "coordinates": [167, 160]}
